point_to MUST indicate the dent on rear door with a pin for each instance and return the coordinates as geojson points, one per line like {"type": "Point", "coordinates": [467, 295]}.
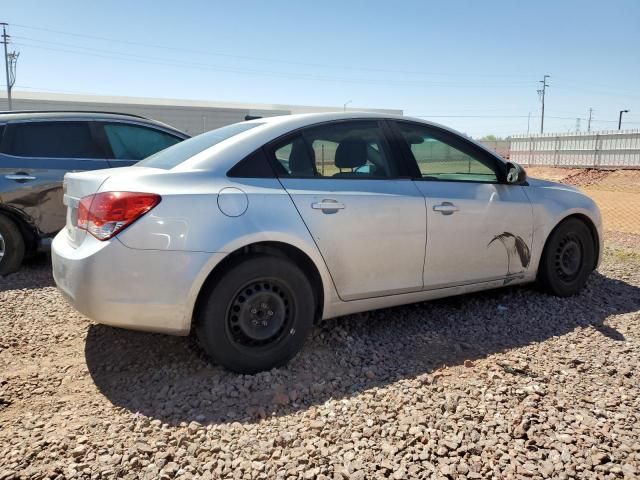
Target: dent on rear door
{"type": "Point", "coordinates": [40, 196]}
{"type": "Point", "coordinates": [36, 195]}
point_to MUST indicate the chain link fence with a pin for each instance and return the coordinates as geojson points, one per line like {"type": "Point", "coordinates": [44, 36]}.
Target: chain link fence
{"type": "Point", "coordinates": [616, 191]}
{"type": "Point", "coordinates": [605, 165]}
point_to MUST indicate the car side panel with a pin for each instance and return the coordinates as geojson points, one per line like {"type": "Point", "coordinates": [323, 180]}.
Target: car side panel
{"type": "Point", "coordinates": [40, 196]}
{"type": "Point", "coordinates": [189, 218]}
{"type": "Point", "coordinates": [465, 246]}
{"type": "Point", "coordinates": [375, 245]}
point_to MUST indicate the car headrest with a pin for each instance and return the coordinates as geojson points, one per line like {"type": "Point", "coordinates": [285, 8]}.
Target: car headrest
{"type": "Point", "coordinates": [299, 162]}
{"type": "Point", "coordinates": [351, 154]}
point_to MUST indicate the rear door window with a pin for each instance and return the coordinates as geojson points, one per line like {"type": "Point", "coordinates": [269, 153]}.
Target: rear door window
{"type": "Point", "coordinates": [60, 139]}
{"type": "Point", "coordinates": [133, 142]}
{"type": "Point", "coordinates": [354, 149]}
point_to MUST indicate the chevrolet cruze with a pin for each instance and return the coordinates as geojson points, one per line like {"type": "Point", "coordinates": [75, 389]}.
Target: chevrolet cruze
{"type": "Point", "coordinates": [250, 233]}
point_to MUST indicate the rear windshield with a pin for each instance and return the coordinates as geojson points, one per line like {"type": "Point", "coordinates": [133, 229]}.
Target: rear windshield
{"type": "Point", "coordinates": [180, 152]}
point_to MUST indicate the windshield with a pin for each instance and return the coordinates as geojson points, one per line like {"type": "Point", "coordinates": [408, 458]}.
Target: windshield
{"type": "Point", "coordinates": [180, 152]}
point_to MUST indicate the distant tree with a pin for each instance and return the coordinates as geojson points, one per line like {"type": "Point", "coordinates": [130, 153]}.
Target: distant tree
{"type": "Point", "coordinates": [490, 138]}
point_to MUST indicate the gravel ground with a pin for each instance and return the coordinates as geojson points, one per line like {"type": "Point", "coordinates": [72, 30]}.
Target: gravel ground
{"type": "Point", "coordinates": [505, 384]}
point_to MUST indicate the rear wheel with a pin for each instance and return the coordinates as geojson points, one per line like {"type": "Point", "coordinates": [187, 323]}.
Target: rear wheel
{"type": "Point", "coordinates": [568, 259]}
{"type": "Point", "coordinates": [257, 315]}
{"type": "Point", "coordinates": [12, 246]}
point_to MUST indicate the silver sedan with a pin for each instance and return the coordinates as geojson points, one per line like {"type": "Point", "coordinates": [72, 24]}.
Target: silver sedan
{"type": "Point", "coordinates": [250, 233]}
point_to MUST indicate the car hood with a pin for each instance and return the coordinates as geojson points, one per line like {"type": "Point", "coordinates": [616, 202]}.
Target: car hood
{"type": "Point", "coordinates": [538, 183]}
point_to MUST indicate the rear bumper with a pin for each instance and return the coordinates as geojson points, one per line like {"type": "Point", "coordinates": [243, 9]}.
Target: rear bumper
{"type": "Point", "coordinates": [149, 290]}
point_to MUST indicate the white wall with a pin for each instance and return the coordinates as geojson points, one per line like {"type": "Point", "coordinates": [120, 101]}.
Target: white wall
{"type": "Point", "coordinates": [192, 117]}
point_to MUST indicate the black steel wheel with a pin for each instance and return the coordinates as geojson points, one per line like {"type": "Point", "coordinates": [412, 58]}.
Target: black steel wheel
{"type": "Point", "coordinates": [260, 313]}
{"type": "Point", "coordinates": [256, 315]}
{"type": "Point", "coordinates": [568, 258]}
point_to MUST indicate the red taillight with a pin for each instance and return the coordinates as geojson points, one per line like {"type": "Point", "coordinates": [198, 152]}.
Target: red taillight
{"type": "Point", "coordinates": [105, 214]}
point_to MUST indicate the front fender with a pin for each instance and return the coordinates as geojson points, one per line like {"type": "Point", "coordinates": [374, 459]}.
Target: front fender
{"type": "Point", "coordinates": [552, 203]}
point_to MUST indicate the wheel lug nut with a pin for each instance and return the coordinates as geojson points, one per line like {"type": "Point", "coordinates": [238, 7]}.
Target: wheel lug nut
{"type": "Point", "coordinates": [270, 313]}
{"type": "Point", "coordinates": [254, 311]}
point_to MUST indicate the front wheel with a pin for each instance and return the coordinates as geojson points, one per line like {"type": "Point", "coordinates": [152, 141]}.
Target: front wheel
{"type": "Point", "coordinates": [257, 315]}
{"type": "Point", "coordinates": [12, 246]}
{"type": "Point", "coordinates": [568, 259]}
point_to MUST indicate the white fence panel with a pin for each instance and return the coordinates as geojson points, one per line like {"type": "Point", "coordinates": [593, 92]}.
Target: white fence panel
{"type": "Point", "coordinates": [610, 149]}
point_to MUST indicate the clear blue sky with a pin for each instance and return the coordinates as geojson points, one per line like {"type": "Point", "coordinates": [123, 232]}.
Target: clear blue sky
{"type": "Point", "coordinates": [472, 65]}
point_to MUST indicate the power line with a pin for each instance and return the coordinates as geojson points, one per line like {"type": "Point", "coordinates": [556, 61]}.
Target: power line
{"type": "Point", "coordinates": [598, 92]}
{"type": "Point", "coordinates": [203, 66]}
{"type": "Point", "coordinates": [264, 59]}
{"type": "Point", "coordinates": [146, 58]}
{"type": "Point", "coordinates": [589, 84]}
{"type": "Point", "coordinates": [288, 62]}
{"type": "Point", "coordinates": [470, 116]}
{"type": "Point", "coordinates": [518, 116]}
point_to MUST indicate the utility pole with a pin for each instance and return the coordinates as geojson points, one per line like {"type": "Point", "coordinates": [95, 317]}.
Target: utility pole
{"type": "Point", "coordinates": [578, 124]}
{"type": "Point", "coordinates": [344, 105]}
{"type": "Point", "coordinates": [541, 92]}
{"type": "Point", "coordinates": [528, 122]}
{"type": "Point", "coordinates": [589, 122]}
{"type": "Point", "coordinates": [5, 40]}
{"type": "Point", "coordinates": [620, 118]}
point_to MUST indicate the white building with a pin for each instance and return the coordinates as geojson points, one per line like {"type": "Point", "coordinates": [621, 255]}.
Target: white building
{"type": "Point", "coordinates": [190, 116]}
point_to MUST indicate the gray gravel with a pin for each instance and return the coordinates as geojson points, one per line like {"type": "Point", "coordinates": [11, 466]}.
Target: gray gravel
{"type": "Point", "coordinates": [510, 383]}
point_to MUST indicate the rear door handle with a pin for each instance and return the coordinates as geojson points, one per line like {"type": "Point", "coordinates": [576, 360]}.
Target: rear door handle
{"type": "Point", "coordinates": [20, 177]}
{"type": "Point", "coordinates": [445, 208]}
{"type": "Point", "coordinates": [328, 205]}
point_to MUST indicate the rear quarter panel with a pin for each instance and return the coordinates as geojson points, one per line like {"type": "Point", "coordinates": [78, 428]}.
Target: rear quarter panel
{"type": "Point", "coordinates": [189, 218]}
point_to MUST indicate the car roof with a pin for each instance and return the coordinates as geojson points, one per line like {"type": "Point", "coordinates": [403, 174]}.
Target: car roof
{"type": "Point", "coordinates": [300, 120]}
{"type": "Point", "coordinates": [311, 118]}
{"type": "Point", "coordinates": [282, 123]}
{"type": "Point", "coordinates": [224, 155]}
{"type": "Point", "coordinates": [12, 115]}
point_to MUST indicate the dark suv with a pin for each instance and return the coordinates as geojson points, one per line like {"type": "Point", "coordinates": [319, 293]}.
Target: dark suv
{"type": "Point", "coordinates": [38, 148]}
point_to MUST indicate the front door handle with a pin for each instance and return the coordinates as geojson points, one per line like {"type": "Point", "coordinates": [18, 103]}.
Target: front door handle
{"type": "Point", "coordinates": [328, 205]}
{"type": "Point", "coordinates": [445, 208]}
{"type": "Point", "coordinates": [20, 177]}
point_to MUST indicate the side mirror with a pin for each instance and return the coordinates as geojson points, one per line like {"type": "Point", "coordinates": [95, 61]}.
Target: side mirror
{"type": "Point", "coordinates": [516, 174]}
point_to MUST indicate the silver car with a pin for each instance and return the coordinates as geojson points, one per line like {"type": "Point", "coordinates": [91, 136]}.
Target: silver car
{"type": "Point", "coordinates": [250, 233]}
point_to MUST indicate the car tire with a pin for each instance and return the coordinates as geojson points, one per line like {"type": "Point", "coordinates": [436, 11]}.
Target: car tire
{"type": "Point", "coordinates": [567, 259]}
{"type": "Point", "coordinates": [256, 315]}
{"type": "Point", "coordinates": [12, 246]}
